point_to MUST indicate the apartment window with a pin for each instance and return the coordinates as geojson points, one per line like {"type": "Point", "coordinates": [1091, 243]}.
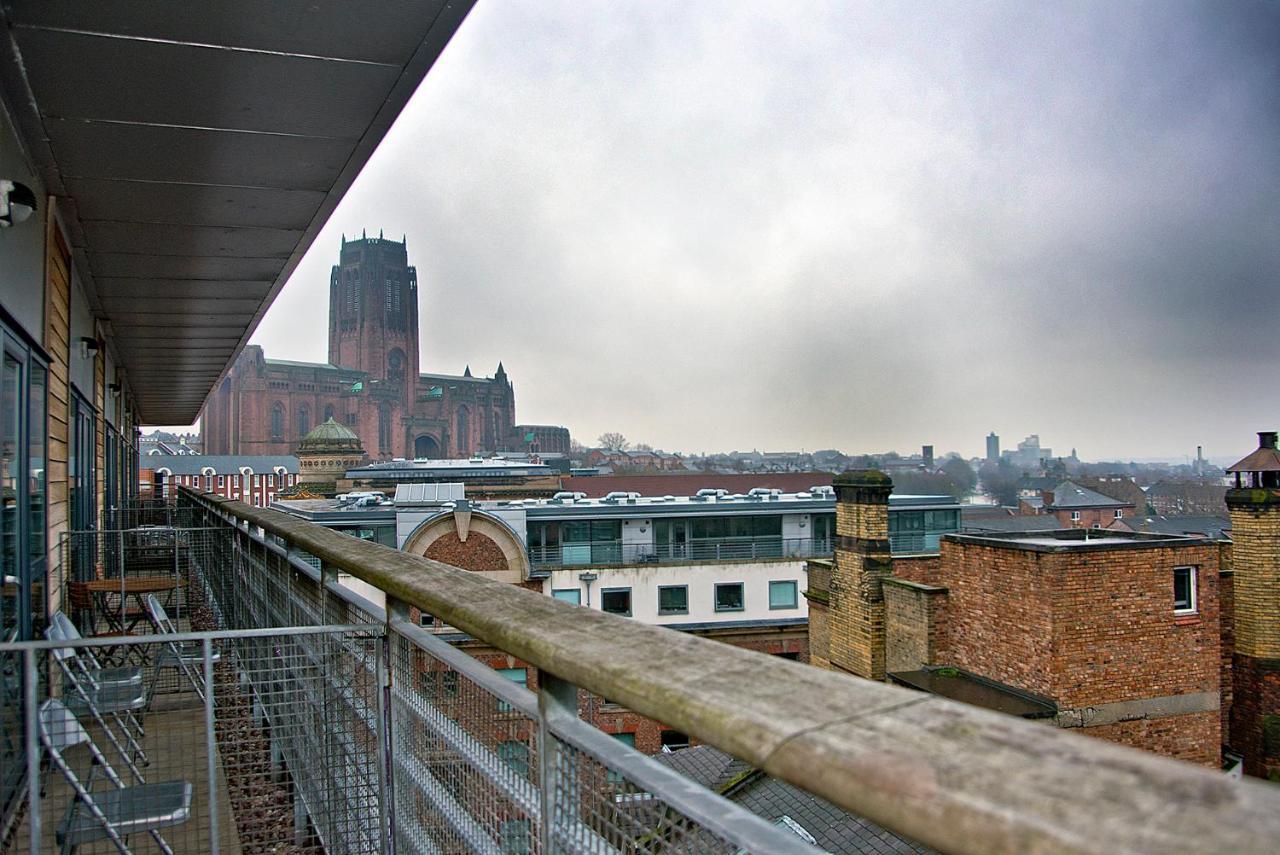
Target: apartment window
{"type": "Point", "coordinates": [729, 597]}
{"type": "Point", "coordinates": [519, 676]}
{"type": "Point", "coordinates": [426, 620]}
{"type": "Point", "coordinates": [1184, 590]}
{"type": "Point", "coordinates": [1075, 516]}
{"type": "Point", "coordinates": [1119, 514]}
{"type": "Point", "coordinates": [673, 599]}
{"type": "Point", "coordinates": [616, 601]}
{"type": "Point", "coordinates": [222, 481]}
{"type": "Point", "coordinates": [783, 595]}
{"type": "Point", "coordinates": [568, 595]}
{"type": "Point", "coordinates": [516, 755]}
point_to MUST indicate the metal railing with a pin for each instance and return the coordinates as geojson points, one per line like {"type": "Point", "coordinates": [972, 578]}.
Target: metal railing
{"type": "Point", "coordinates": [953, 776]}
{"type": "Point", "coordinates": [313, 720]}
{"type": "Point", "coordinates": [916, 542]}
{"type": "Point", "coordinates": [707, 549]}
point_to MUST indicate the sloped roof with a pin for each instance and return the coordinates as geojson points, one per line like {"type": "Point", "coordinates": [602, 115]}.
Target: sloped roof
{"type": "Point", "coordinates": [1069, 494]}
{"type": "Point", "coordinates": [222, 464]}
{"type": "Point", "coordinates": [834, 829]}
{"type": "Point", "coordinates": [1020, 523]}
{"type": "Point", "coordinates": [1261, 460]}
{"type": "Point", "coordinates": [1218, 528]}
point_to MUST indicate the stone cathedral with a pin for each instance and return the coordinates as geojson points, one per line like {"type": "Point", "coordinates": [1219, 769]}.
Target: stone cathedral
{"type": "Point", "coordinates": [371, 382]}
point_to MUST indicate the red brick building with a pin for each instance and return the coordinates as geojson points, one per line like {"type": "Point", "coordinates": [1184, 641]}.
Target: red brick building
{"type": "Point", "coordinates": [254, 480]}
{"type": "Point", "coordinates": [1118, 634]}
{"type": "Point", "coordinates": [1074, 506]}
{"type": "Point", "coordinates": [371, 382]}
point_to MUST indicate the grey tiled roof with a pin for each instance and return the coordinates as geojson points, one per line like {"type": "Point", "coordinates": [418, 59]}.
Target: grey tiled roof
{"type": "Point", "coordinates": [1069, 494]}
{"type": "Point", "coordinates": [1026, 522]}
{"type": "Point", "coordinates": [836, 830]}
{"type": "Point", "coordinates": [1215, 527]}
{"type": "Point", "coordinates": [222, 464]}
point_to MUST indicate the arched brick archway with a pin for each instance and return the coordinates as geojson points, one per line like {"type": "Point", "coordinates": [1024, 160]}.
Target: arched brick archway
{"type": "Point", "coordinates": [426, 446]}
{"type": "Point", "coordinates": [474, 541]}
{"type": "Point", "coordinates": [478, 552]}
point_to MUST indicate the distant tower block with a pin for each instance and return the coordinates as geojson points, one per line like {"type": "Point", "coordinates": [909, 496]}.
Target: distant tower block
{"type": "Point", "coordinates": [1254, 503]}
{"type": "Point", "coordinates": [926, 452]}
{"type": "Point", "coordinates": [993, 447]}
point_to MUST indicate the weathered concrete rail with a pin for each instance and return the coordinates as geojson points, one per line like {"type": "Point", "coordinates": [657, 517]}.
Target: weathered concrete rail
{"type": "Point", "coordinates": [955, 777]}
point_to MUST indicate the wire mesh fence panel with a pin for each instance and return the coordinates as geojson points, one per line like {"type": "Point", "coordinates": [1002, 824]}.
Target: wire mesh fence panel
{"type": "Point", "coordinates": [248, 742]}
{"type": "Point", "coordinates": [300, 736]}
{"type": "Point", "coordinates": [464, 758]}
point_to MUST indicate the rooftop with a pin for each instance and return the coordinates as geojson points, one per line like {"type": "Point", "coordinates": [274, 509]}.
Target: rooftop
{"type": "Point", "coordinates": [1068, 495]}
{"type": "Point", "coordinates": [960, 685]}
{"type": "Point", "coordinates": [1077, 540]}
{"type": "Point", "coordinates": [759, 500]}
{"type": "Point", "coordinates": [221, 464]}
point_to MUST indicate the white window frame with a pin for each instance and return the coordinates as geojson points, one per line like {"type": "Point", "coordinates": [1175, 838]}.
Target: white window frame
{"type": "Point", "coordinates": [1075, 516]}
{"type": "Point", "coordinates": [1119, 513]}
{"type": "Point", "coordinates": [1194, 607]}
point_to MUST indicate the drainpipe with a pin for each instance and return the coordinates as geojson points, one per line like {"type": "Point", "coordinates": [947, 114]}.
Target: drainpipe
{"type": "Point", "coordinates": [587, 578]}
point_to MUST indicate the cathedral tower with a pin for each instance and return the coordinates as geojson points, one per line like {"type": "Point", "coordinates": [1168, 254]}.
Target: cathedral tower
{"type": "Point", "coordinates": [373, 313]}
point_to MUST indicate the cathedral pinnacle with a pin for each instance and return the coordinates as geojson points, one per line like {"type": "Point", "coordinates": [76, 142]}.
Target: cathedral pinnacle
{"type": "Point", "coordinates": [467, 372]}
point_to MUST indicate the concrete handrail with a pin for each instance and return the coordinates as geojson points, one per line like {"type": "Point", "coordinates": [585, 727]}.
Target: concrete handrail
{"type": "Point", "coordinates": [956, 777]}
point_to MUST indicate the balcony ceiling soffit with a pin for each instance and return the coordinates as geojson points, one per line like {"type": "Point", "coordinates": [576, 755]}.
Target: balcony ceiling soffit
{"type": "Point", "coordinates": [197, 151]}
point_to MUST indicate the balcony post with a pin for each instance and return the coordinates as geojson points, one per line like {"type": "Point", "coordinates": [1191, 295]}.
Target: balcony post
{"type": "Point", "coordinates": [557, 699]}
{"type": "Point", "coordinates": [396, 611]}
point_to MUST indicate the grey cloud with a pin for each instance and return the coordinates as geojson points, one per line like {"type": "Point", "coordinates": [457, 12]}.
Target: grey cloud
{"type": "Point", "coordinates": [867, 226]}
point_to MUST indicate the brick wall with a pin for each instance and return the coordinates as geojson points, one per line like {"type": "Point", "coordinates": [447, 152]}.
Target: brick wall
{"type": "Point", "coordinates": [926, 569]}
{"type": "Point", "coordinates": [1088, 629]}
{"type": "Point", "coordinates": [1000, 615]}
{"type": "Point", "coordinates": [1089, 518]}
{"type": "Point", "coordinates": [1255, 559]}
{"type": "Point", "coordinates": [1115, 635]}
{"type": "Point", "coordinates": [1194, 737]}
{"type": "Point", "coordinates": [478, 552]}
{"type": "Point", "coordinates": [914, 624]}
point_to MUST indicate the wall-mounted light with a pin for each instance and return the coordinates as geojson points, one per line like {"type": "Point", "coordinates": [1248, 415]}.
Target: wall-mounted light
{"type": "Point", "coordinates": [17, 203]}
{"type": "Point", "coordinates": [114, 389]}
{"type": "Point", "coordinates": [88, 346]}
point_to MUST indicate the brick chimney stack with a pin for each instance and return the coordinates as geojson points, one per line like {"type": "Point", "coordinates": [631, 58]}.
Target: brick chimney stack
{"type": "Point", "coordinates": [1254, 504]}
{"type": "Point", "coordinates": [862, 562]}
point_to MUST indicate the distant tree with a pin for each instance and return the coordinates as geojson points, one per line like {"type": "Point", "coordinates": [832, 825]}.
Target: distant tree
{"type": "Point", "coordinates": [576, 448]}
{"type": "Point", "coordinates": [962, 474]}
{"type": "Point", "coordinates": [643, 446]}
{"type": "Point", "coordinates": [864, 461]}
{"type": "Point", "coordinates": [613, 441]}
{"type": "Point", "coordinates": [1000, 481]}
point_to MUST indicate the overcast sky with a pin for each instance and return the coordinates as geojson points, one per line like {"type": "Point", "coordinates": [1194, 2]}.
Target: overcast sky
{"type": "Point", "coordinates": [863, 226]}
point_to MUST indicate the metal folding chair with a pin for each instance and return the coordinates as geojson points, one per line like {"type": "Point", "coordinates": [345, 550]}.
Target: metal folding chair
{"type": "Point", "coordinates": [184, 657]}
{"type": "Point", "coordinates": [114, 813]}
{"type": "Point", "coordinates": [116, 700]}
{"type": "Point", "coordinates": [90, 666]}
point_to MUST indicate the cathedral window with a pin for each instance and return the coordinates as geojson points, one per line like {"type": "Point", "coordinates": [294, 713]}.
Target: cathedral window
{"type": "Point", "coordinates": [304, 420]}
{"type": "Point", "coordinates": [277, 420]}
{"type": "Point", "coordinates": [384, 428]}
